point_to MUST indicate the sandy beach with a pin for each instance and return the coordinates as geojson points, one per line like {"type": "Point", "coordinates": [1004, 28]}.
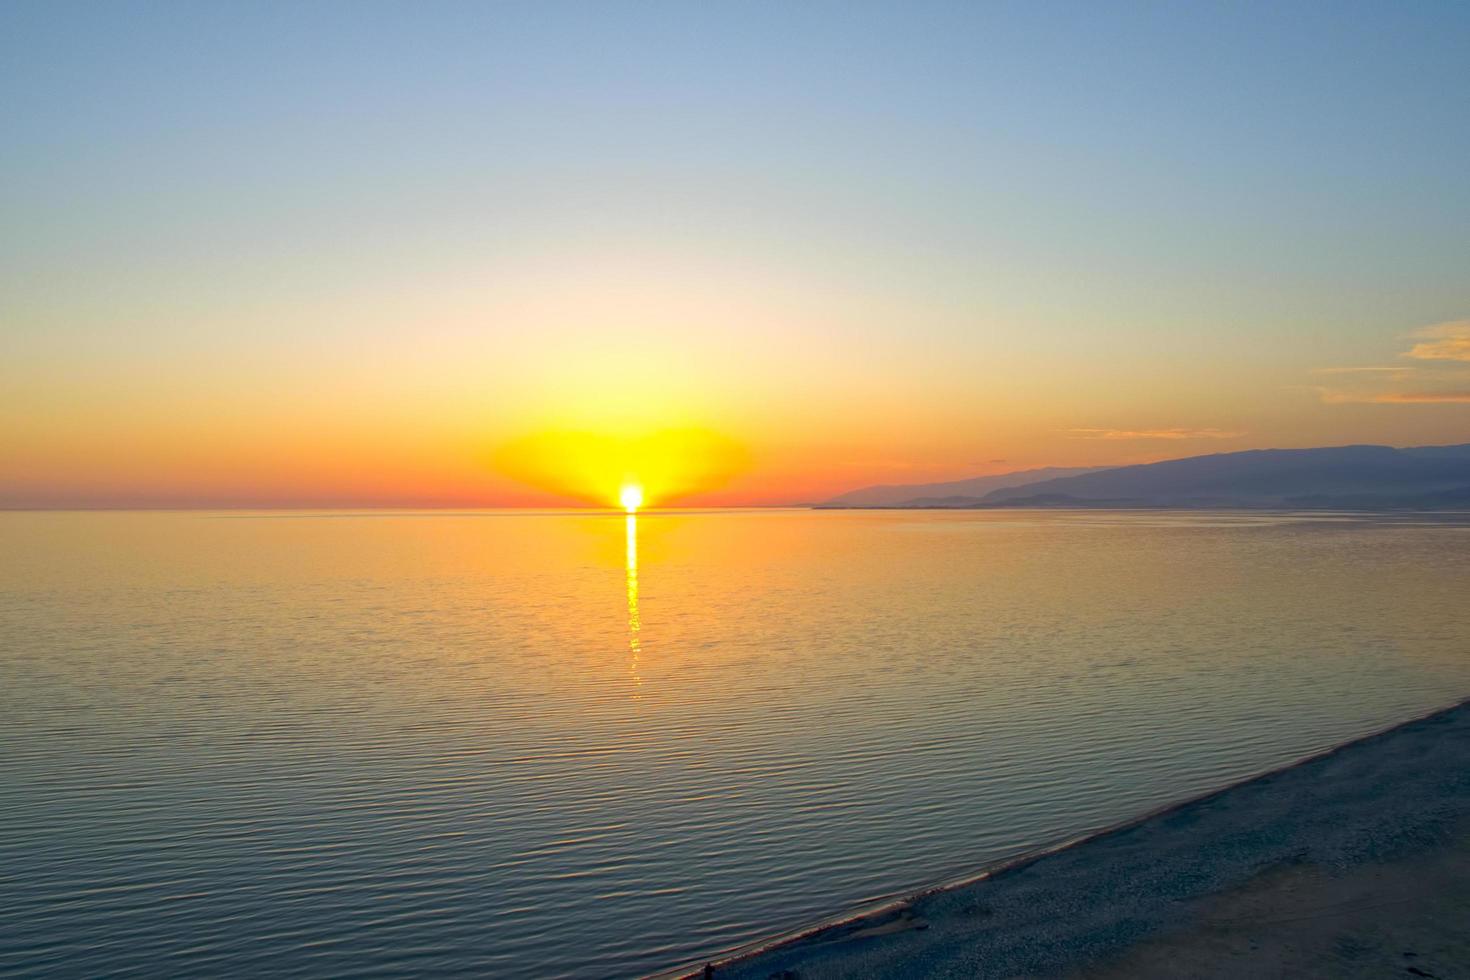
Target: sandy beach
{"type": "Point", "coordinates": [1354, 863]}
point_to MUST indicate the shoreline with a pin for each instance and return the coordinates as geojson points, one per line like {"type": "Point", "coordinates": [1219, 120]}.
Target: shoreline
{"type": "Point", "coordinates": [935, 931]}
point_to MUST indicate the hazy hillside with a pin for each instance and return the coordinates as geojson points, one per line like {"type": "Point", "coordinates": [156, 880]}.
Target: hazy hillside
{"type": "Point", "coordinates": [1348, 476]}
{"type": "Point", "coordinates": [899, 495]}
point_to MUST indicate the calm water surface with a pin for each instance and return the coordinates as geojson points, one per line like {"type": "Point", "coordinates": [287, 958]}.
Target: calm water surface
{"type": "Point", "coordinates": [542, 745]}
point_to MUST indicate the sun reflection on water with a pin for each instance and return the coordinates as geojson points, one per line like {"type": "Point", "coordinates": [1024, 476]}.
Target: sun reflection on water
{"type": "Point", "coordinates": [634, 626]}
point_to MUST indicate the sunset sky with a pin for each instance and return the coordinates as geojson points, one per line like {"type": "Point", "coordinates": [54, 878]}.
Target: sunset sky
{"type": "Point", "coordinates": [752, 253]}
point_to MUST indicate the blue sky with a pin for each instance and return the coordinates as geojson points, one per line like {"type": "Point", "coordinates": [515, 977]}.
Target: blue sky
{"type": "Point", "coordinates": [1156, 215]}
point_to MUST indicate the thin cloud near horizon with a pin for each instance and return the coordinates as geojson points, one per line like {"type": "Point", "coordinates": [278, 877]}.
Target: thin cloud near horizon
{"type": "Point", "coordinates": [1440, 379]}
{"type": "Point", "coordinates": [1406, 398]}
{"type": "Point", "coordinates": [1442, 342]}
{"type": "Point", "coordinates": [1171, 434]}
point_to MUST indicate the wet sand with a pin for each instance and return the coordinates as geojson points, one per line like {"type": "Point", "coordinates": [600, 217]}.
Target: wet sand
{"type": "Point", "coordinates": [1353, 863]}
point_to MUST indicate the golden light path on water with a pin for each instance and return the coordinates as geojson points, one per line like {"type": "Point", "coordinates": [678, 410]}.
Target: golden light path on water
{"type": "Point", "coordinates": [634, 650]}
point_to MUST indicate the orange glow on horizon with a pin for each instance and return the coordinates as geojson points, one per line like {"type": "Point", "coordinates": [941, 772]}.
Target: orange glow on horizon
{"type": "Point", "coordinates": [630, 471]}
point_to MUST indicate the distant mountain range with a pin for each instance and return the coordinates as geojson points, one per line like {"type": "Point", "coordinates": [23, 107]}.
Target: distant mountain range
{"type": "Point", "coordinates": [910, 494]}
{"type": "Point", "coordinates": [1332, 478]}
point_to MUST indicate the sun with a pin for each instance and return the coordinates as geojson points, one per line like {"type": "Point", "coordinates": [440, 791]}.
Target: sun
{"type": "Point", "coordinates": [631, 497]}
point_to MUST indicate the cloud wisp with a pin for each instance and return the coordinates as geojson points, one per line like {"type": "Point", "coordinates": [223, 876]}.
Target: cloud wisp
{"type": "Point", "coordinates": [1441, 377]}
{"type": "Point", "coordinates": [1442, 342]}
{"type": "Point", "coordinates": [1413, 398]}
{"type": "Point", "coordinates": [1389, 373]}
{"type": "Point", "coordinates": [1124, 435]}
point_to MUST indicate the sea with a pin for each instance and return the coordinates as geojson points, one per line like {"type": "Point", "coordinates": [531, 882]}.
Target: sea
{"type": "Point", "coordinates": [583, 744]}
